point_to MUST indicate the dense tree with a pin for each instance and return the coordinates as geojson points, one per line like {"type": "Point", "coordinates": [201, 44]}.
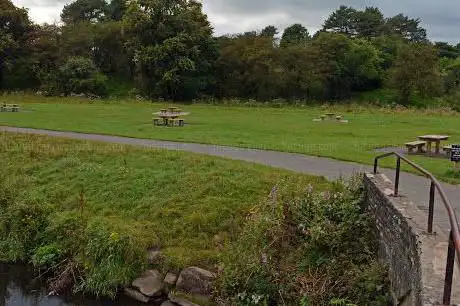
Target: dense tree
{"type": "Point", "coordinates": [450, 69]}
{"type": "Point", "coordinates": [416, 70]}
{"type": "Point", "coordinates": [84, 10]}
{"type": "Point", "coordinates": [369, 23]}
{"type": "Point", "coordinates": [296, 34]}
{"type": "Point", "coordinates": [447, 50]}
{"type": "Point", "coordinates": [406, 27]}
{"type": "Point", "coordinates": [342, 21]}
{"type": "Point", "coordinates": [269, 31]}
{"type": "Point", "coordinates": [80, 75]}
{"type": "Point", "coordinates": [109, 52]}
{"type": "Point", "coordinates": [166, 48]}
{"type": "Point", "coordinates": [15, 28]}
{"type": "Point", "coordinates": [174, 47]}
{"type": "Point", "coordinates": [117, 9]}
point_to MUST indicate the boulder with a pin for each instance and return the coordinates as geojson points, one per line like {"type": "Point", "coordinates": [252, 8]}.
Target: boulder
{"type": "Point", "coordinates": [195, 280]}
{"type": "Point", "coordinates": [134, 294]}
{"type": "Point", "coordinates": [181, 301]}
{"type": "Point", "coordinates": [170, 279]}
{"type": "Point", "coordinates": [168, 303]}
{"type": "Point", "coordinates": [150, 283]}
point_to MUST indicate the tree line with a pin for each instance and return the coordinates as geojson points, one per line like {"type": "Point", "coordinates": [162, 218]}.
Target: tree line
{"type": "Point", "coordinates": [166, 49]}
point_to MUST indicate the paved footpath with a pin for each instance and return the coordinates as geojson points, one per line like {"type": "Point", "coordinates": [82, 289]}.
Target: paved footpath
{"type": "Point", "coordinates": [416, 188]}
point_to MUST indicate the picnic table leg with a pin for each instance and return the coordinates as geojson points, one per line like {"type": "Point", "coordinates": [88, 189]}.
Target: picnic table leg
{"type": "Point", "coordinates": [438, 147]}
{"type": "Point", "coordinates": [428, 147]}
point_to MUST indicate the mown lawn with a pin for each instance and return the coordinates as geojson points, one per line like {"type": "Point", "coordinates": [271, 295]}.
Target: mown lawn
{"type": "Point", "coordinates": [175, 201]}
{"type": "Point", "coordinates": [280, 129]}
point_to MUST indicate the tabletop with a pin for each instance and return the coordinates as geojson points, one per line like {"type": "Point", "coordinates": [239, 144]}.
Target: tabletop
{"type": "Point", "coordinates": [433, 137]}
{"type": "Point", "coordinates": [171, 114]}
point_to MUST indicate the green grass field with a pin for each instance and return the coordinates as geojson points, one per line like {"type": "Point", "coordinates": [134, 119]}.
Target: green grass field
{"type": "Point", "coordinates": [283, 129]}
{"type": "Point", "coordinates": [179, 202]}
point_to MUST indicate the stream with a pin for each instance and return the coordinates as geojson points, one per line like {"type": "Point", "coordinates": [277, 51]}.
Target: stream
{"type": "Point", "coordinates": [18, 287]}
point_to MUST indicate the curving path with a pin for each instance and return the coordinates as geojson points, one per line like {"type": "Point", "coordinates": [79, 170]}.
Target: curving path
{"type": "Point", "coordinates": [416, 188]}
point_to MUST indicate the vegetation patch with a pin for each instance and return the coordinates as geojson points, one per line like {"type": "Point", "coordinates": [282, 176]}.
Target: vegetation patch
{"type": "Point", "coordinates": [90, 211]}
{"type": "Point", "coordinates": [313, 249]}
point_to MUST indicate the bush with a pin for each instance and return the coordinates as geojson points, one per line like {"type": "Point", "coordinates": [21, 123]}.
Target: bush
{"type": "Point", "coordinates": [316, 249]}
{"type": "Point", "coordinates": [20, 224]}
{"type": "Point", "coordinates": [111, 259]}
{"type": "Point", "coordinates": [80, 75]}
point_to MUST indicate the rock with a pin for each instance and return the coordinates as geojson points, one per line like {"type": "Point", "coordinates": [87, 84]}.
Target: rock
{"type": "Point", "coordinates": [150, 283]}
{"type": "Point", "coordinates": [195, 280]}
{"type": "Point", "coordinates": [168, 303]}
{"type": "Point", "coordinates": [170, 279]}
{"type": "Point", "coordinates": [134, 294]}
{"type": "Point", "coordinates": [181, 301]}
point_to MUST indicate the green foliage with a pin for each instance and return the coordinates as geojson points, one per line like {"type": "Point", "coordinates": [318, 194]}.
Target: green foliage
{"type": "Point", "coordinates": [167, 50]}
{"type": "Point", "coordinates": [295, 35]}
{"type": "Point", "coordinates": [174, 58]}
{"type": "Point", "coordinates": [84, 10]}
{"type": "Point", "coordinates": [341, 21]}
{"type": "Point", "coordinates": [111, 259]}
{"type": "Point", "coordinates": [406, 28]}
{"type": "Point", "coordinates": [47, 256]}
{"type": "Point", "coordinates": [297, 245]}
{"type": "Point", "coordinates": [80, 75]}
{"type": "Point", "coordinates": [15, 26]}
{"type": "Point", "coordinates": [416, 70]}
{"type": "Point", "coordinates": [20, 222]}
{"type": "Point", "coordinates": [126, 208]}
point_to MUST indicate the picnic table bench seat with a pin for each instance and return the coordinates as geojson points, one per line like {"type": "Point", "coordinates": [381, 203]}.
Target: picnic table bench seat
{"type": "Point", "coordinates": [418, 144]}
{"type": "Point", "coordinates": [447, 148]}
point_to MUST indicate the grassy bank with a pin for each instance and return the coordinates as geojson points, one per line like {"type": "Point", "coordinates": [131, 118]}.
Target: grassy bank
{"type": "Point", "coordinates": [89, 211]}
{"type": "Point", "coordinates": [286, 129]}
{"type": "Point", "coordinates": [96, 208]}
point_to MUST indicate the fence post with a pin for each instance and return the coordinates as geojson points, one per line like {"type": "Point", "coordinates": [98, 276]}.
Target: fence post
{"type": "Point", "coordinates": [398, 171]}
{"type": "Point", "coordinates": [449, 271]}
{"type": "Point", "coordinates": [431, 208]}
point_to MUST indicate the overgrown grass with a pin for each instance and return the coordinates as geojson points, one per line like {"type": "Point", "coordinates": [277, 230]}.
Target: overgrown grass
{"type": "Point", "coordinates": [92, 210]}
{"type": "Point", "coordinates": [280, 129]}
{"type": "Point", "coordinates": [313, 249]}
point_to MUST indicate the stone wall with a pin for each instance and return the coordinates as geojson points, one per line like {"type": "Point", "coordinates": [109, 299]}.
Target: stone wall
{"type": "Point", "coordinates": [415, 259]}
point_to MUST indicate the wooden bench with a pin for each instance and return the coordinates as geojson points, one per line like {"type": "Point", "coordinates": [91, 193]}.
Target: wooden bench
{"type": "Point", "coordinates": [416, 144]}
{"type": "Point", "coordinates": [447, 149]}
{"type": "Point", "coordinates": [156, 121]}
{"type": "Point", "coordinates": [172, 121]}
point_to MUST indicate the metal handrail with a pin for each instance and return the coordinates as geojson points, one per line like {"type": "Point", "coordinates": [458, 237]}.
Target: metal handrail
{"type": "Point", "coordinates": [454, 237]}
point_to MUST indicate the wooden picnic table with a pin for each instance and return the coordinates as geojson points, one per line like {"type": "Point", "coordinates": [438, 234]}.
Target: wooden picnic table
{"type": "Point", "coordinates": [171, 115]}
{"type": "Point", "coordinates": [430, 139]}
{"type": "Point", "coordinates": [169, 118]}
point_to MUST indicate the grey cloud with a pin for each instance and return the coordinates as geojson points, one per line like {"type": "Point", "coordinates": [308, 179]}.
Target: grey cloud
{"type": "Point", "coordinates": [440, 17]}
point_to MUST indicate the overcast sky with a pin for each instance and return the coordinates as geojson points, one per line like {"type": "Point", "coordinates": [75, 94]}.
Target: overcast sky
{"type": "Point", "coordinates": [440, 17]}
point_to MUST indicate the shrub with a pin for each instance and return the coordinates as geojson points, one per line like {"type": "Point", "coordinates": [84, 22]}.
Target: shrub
{"type": "Point", "coordinates": [314, 249]}
{"type": "Point", "coordinates": [111, 259]}
{"type": "Point", "coordinates": [20, 224]}
{"type": "Point", "coordinates": [80, 75]}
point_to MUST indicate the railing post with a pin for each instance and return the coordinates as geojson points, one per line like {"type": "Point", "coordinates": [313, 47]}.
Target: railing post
{"type": "Point", "coordinates": [449, 271]}
{"type": "Point", "coordinates": [431, 208]}
{"type": "Point", "coordinates": [398, 171]}
{"type": "Point", "coordinates": [376, 164]}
